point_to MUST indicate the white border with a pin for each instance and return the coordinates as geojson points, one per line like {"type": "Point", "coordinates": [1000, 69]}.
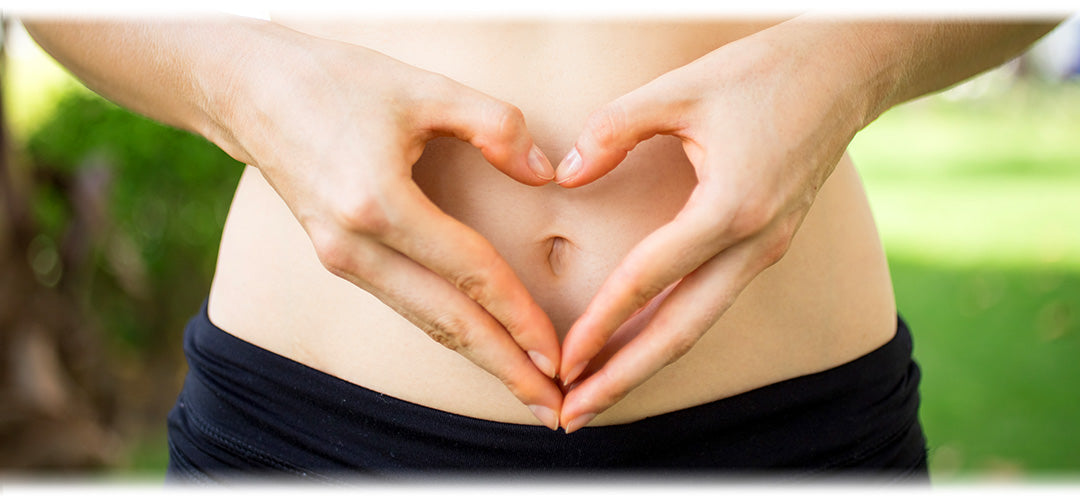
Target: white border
{"type": "Point", "coordinates": [552, 8]}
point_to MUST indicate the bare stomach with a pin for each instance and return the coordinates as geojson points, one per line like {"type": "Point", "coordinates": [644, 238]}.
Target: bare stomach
{"type": "Point", "coordinates": [828, 301]}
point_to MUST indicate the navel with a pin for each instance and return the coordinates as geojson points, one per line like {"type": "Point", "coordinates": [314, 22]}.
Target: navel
{"type": "Point", "coordinates": [557, 254]}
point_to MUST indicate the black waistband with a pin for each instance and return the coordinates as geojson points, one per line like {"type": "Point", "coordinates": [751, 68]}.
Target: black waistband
{"type": "Point", "coordinates": [244, 408]}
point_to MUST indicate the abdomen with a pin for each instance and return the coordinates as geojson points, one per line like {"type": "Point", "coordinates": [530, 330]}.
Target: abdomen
{"type": "Point", "coordinates": [827, 302]}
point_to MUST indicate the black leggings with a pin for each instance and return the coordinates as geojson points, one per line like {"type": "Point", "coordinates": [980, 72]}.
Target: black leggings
{"type": "Point", "coordinates": [245, 412]}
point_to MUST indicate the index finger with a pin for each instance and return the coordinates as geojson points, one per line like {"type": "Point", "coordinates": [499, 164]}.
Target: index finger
{"type": "Point", "coordinates": [466, 259]}
{"type": "Point", "coordinates": [688, 312]}
{"type": "Point", "coordinates": [448, 317]}
{"type": "Point", "coordinates": [662, 258]}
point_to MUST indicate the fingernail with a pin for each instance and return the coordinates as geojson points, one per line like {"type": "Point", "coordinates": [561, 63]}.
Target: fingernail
{"type": "Point", "coordinates": [543, 363]}
{"type": "Point", "coordinates": [546, 415]}
{"type": "Point", "coordinates": [574, 373]}
{"type": "Point", "coordinates": [569, 167]}
{"type": "Point", "coordinates": [540, 165]}
{"type": "Point", "coordinates": [579, 422]}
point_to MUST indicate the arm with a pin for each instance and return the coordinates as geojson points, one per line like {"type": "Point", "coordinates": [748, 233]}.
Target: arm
{"type": "Point", "coordinates": [909, 60]}
{"type": "Point", "coordinates": [764, 120]}
{"type": "Point", "coordinates": [335, 129]}
{"type": "Point", "coordinates": [176, 73]}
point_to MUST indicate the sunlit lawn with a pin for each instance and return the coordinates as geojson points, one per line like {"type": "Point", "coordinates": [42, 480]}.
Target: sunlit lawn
{"type": "Point", "coordinates": [978, 203]}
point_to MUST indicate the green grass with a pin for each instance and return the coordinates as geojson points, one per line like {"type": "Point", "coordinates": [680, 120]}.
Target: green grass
{"type": "Point", "coordinates": [994, 180]}
{"type": "Point", "coordinates": [978, 204]}
{"type": "Point", "coordinates": [999, 349]}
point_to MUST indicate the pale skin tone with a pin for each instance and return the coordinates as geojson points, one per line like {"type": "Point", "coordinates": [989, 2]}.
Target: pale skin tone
{"type": "Point", "coordinates": [763, 120]}
{"type": "Point", "coordinates": [762, 141]}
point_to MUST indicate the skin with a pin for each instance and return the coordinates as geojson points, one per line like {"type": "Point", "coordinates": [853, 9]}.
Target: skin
{"type": "Point", "coordinates": [368, 221]}
{"type": "Point", "coordinates": [763, 121]}
{"type": "Point", "coordinates": [763, 140]}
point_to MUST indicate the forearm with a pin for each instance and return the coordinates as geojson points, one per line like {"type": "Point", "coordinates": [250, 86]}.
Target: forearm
{"type": "Point", "coordinates": [904, 60]}
{"type": "Point", "coordinates": [862, 68]}
{"type": "Point", "coordinates": [187, 74]}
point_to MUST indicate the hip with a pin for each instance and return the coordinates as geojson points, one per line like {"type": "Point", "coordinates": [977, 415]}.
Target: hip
{"type": "Point", "coordinates": [245, 410]}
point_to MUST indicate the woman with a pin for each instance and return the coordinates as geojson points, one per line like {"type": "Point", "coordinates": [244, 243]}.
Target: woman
{"type": "Point", "coordinates": [697, 284]}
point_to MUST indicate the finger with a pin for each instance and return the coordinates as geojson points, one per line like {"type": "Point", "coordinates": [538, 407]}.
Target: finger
{"type": "Point", "coordinates": [494, 127]}
{"type": "Point", "coordinates": [467, 260]}
{"type": "Point", "coordinates": [687, 313]}
{"type": "Point", "coordinates": [448, 317]}
{"type": "Point", "coordinates": [662, 258]}
{"type": "Point", "coordinates": [624, 334]}
{"type": "Point", "coordinates": [616, 128]}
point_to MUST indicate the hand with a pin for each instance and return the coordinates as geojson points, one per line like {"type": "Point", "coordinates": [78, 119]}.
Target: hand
{"type": "Point", "coordinates": [336, 133]}
{"type": "Point", "coordinates": [764, 125]}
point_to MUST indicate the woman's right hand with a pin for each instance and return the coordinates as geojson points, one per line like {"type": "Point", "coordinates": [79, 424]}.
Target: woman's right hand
{"type": "Point", "coordinates": [336, 132]}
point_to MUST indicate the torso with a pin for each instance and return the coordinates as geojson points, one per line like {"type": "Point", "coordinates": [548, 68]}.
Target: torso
{"type": "Point", "coordinates": [828, 301]}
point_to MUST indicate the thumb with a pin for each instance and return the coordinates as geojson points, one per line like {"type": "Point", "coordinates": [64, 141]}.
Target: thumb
{"type": "Point", "coordinates": [494, 127]}
{"type": "Point", "coordinates": [612, 131]}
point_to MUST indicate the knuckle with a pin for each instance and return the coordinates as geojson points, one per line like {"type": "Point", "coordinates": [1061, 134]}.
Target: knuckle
{"type": "Point", "coordinates": [776, 249]}
{"type": "Point", "coordinates": [638, 289]}
{"type": "Point", "coordinates": [604, 124]}
{"type": "Point", "coordinates": [515, 323]}
{"type": "Point", "coordinates": [331, 251]}
{"type": "Point", "coordinates": [712, 209]}
{"type": "Point", "coordinates": [750, 219]}
{"type": "Point", "coordinates": [507, 121]}
{"type": "Point", "coordinates": [450, 331]}
{"type": "Point", "coordinates": [642, 293]}
{"type": "Point", "coordinates": [680, 345]}
{"type": "Point", "coordinates": [364, 214]}
{"type": "Point", "coordinates": [475, 284]}
{"type": "Point", "coordinates": [743, 226]}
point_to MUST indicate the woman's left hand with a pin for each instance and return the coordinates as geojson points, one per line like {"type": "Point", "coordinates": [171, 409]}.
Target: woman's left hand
{"type": "Point", "coordinates": [763, 120]}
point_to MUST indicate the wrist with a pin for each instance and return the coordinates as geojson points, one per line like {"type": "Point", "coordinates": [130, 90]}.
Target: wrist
{"type": "Point", "coordinates": [240, 74]}
{"type": "Point", "coordinates": [899, 61]}
{"type": "Point", "coordinates": [881, 62]}
{"type": "Point", "coordinates": [825, 77]}
{"type": "Point", "coordinates": [856, 63]}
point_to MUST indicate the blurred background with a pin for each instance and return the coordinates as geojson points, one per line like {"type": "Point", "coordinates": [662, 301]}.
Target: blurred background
{"type": "Point", "coordinates": [109, 225]}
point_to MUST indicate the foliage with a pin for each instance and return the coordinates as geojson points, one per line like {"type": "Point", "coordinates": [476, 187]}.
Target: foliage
{"type": "Point", "coordinates": [167, 194]}
{"type": "Point", "coordinates": [126, 215]}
